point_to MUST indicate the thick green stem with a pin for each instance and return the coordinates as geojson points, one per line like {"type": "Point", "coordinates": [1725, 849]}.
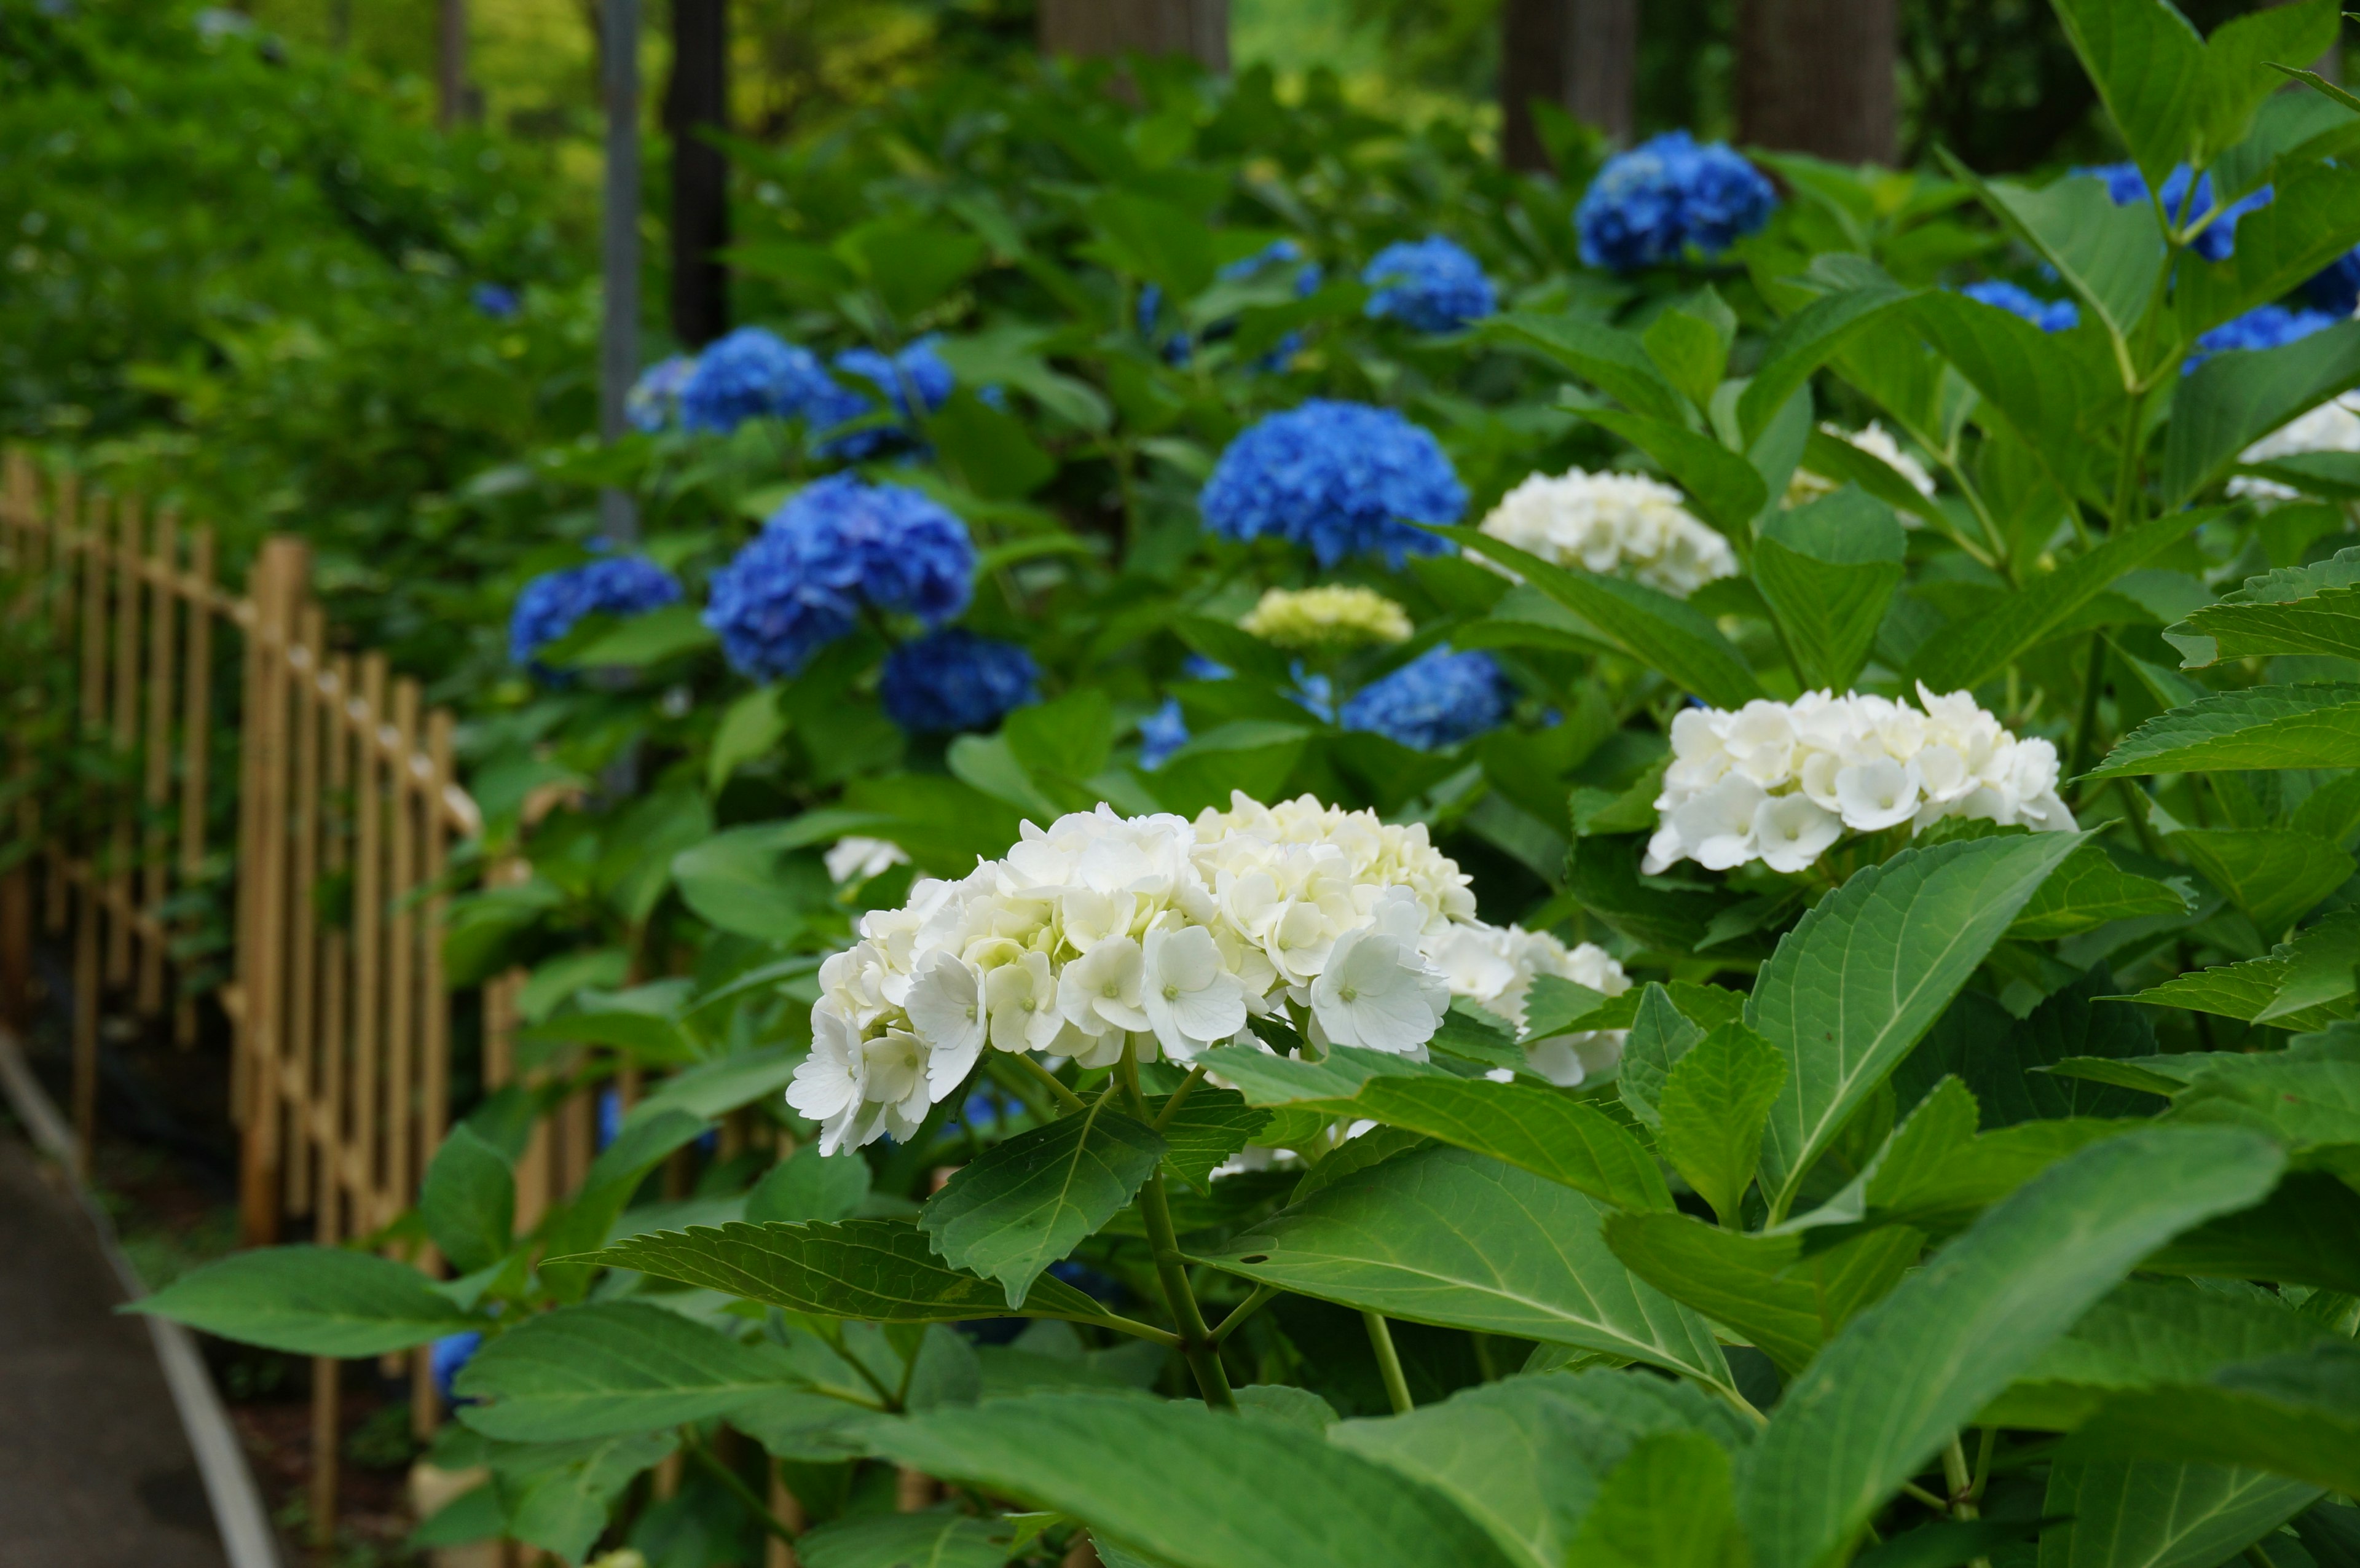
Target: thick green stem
{"type": "Point", "coordinates": [1196, 1344]}
{"type": "Point", "coordinates": [735, 1484]}
{"type": "Point", "coordinates": [1389, 1367]}
{"type": "Point", "coordinates": [1262, 1296]}
{"type": "Point", "coordinates": [1961, 1481]}
{"type": "Point", "coordinates": [1057, 1091]}
{"type": "Point", "coordinates": [1171, 1105]}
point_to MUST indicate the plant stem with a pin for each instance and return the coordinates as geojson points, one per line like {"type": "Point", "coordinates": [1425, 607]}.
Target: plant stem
{"type": "Point", "coordinates": [1262, 1296]}
{"type": "Point", "coordinates": [1984, 1445]}
{"type": "Point", "coordinates": [735, 1485]}
{"type": "Point", "coordinates": [1171, 1105]}
{"type": "Point", "coordinates": [1389, 1367]}
{"type": "Point", "coordinates": [1961, 1482]}
{"type": "Point", "coordinates": [1912, 1489]}
{"type": "Point", "coordinates": [1057, 1091]}
{"type": "Point", "coordinates": [2085, 730]}
{"type": "Point", "coordinates": [1204, 1354]}
{"type": "Point", "coordinates": [1742, 1405]}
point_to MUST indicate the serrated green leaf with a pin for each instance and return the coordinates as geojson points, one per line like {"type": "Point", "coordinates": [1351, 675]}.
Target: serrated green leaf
{"type": "Point", "coordinates": [1668, 1505]}
{"type": "Point", "coordinates": [1828, 570]}
{"type": "Point", "coordinates": [1211, 1125]}
{"type": "Point", "coordinates": [2264, 727]}
{"type": "Point", "coordinates": [468, 1201]}
{"type": "Point", "coordinates": [2112, 256]}
{"type": "Point", "coordinates": [1612, 360]}
{"type": "Point", "coordinates": [1867, 972]}
{"type": "Point", "coordinates": [1898, 1382]}
{"type": "Point", "coordinates": [2272, 874]}
{"type": "Point", "coordinates": [881, 1270]}
{"type": "Point", "coordinates": [2045, 391]}
{"type": "Point", "coordinates": [933, 1538]}
{"type": "Point", "coordinates": [750, 727]}
{"type": "Point", "coordinates": [1799, 346]}
{"type": "Point", "coordinates": [1027, 1203]}
{"type": "Point", "coordinates": [1444, 1237]}
{"type": "Point", "coordinates": [607, 1368]}
{"type": "Point", "coordinates": [2148, 66]}
{"type": "Point", "coordinates": [557, 1495]}
{"type": "Point", "coordinates": [2162, 1516]}
{"type": "Point", "coordinates": [1193, 1486]}
{"type": "Point", "coordinates": [1714, 1103]}
{"type": "Point", "coordinates": [1538, 1129]}
{"type": "Point", "coordinates": [1723, 487]}
{"type": "Point", "coordinates": [2086, 892]}
{"type": "Point", "coordinates": [2295, 1414]}
{"type": "Point", "coordinates": [1660, 1035]}
{"type": "Point", "coordinates": [2325, 624]}
{"type": "Point", "coordinates": [2234, 399]}
{"type": "Point", "coordinates": [743, 880]}
{"type": "Point", "coordinates": [310, 1300]}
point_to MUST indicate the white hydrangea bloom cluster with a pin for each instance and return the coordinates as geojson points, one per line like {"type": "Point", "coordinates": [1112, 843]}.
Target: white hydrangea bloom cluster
{"type": "Point", "coordinates": [1155, 932]}
{"type": "Point", "coordinates": [859, 859]}
{"type": "Point", "coordinates": [1877, 441]}
{"type": "Point", "coordinates": [2333, 426]}
{"type": "Point", "coordinates": [1494, 966]}
{"type": "Point", "coordinates": [1328, 616]}
{"type": "Point", "coordinates": [1780, 782]}
{"type": "Point", "coordinates": [1622, 524]}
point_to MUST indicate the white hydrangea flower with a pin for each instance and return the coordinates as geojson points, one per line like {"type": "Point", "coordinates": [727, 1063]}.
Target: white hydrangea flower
{"type": "Point", "coordinates": [1494, 967]}
{"type": "Point", "coordinates": [1102, 932]}
{"type": "Point", "coordinates": [1877, 441]}
{"type": "Point", "coordinates": [1622, 524]}
{"type": "Point", "coordinates": [1327, 616]}
{"type": "Point", "coordinates": [2333, 426]}
{"type": "Point", "coordinates": [1782, 782]}
{"type": "Point", "coordinates": [859, 859]}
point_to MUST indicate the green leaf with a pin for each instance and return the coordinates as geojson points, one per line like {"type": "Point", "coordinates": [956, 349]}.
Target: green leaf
{"type": "Point", "coordinates": [726, 1083]}
{"type": "Point", "coordinates": [311, 1300]}
{"type": "Point", "coordinates": [1211, 1126]}
{"type": "Point", "coordinates": [641, 640]}
{"type": "Point", "coordinates": [2089, 890]}
{"type": "Point", "coordinates": [2162, 1516]}
{"type": "Point", "coordinates": [1668, 1505]}
{"type": "Point", "coordinates": [2296, 1415]}
{"type": "Point", "coordinates": [2306, 1234]}
{"type": "Point", "coordinates": [2272, 874]}
{"type": "Point", "coordinates": [2002, 1059]}
{"type": "Point", "coordinates": [2319, 969]}
{"type": "Point", "coordinates": [1192, 1486]}
{"type": "Point", "coordinates": [2325, 624]}
{"type": "Point", "coordinates": [1444, 1237]}
{"type": "Point", "coordinates": [1965, 657]}
{"type": "Point", "coordinates": [750, 727]}
{"type": "Point", "coordinates": [808, 1185]}
{"type": "Point", "coordinates": [2146, 1335]}
{"type": "Point", "coordinates": [1154, 241]}
{"type": "Point", "coordinates": [1802, 343]}
{"type": "Point", "coordinates": [933, 1537]}
{"type": "Point", "coordinates": [1027, 1203]}
{"type": "Point", "coordinates": [912, 261]}
{"type": "Point", "coordinates": [1525, 1457]}
{"type": "Point", "coordinates": [1764, 1287]}
{"type": "Point", "coordinates": [2234, 399]}
{"type": "Point", "coordinates": [2149, 68]}
{"type": "Point", "coordinates": [1828, 570]}
{"type": "Point", "coordinates": [1714, 1104]}
{"type": "Point", "coordinates": [1689, 351]}
{"type": "Point", "coordinates": [2112, 256]}
{"type": "Point", "coordinates": [2310, 1101]}
{"type": "Point", "coordinates": [2263, 727]}
{"type": "Point", "coordinates": [881, 1270]}
{"type": "Point", "coordinates": [1900, 1380]}
{"type": "Point", "coordinates": [1724, 487]}
{"type": "Point", "coordinates": [1867, 972]}
{"type": "Point", "coordinates": [2237, 58]}
{"type": "Point", "coordinates": [613, 1177]}
{"type": "Point", "coordinates": [1947, 1544]}
{"type": "Point", "coordinates": [468, 1201]}
{"type": "Point", "coordinates": [1660, 1035]}
{"type": "Point", "coordinates": [2043, 390]}
{"type": "Point", "coordinates": [1655, 629]}
{"type": "Point", "coordinates": [2314, 219]}
{"type": "Point", "coordinates": [746, 880]}
{"type": "Point", "coordinates": [1613, 360]}
{"type": "Point", "coordinates": [988, 449]}
{"type": "Point", "coordinates": [612, 1367]}
{"type": "Point", "coordinates": [1252, 755]}
{"type": "Point", "coordinates": [556, 1496]}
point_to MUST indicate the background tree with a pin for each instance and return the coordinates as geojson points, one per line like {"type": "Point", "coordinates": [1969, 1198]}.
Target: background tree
{"type": "Point", "coordinates": [1096, 28]}
{"type": "Point", "coordinates": [697, 100]}
{"type": "Point", "coordinates": [1581, 55]}
{"type": "Point", "coordinates": [1820, 77]}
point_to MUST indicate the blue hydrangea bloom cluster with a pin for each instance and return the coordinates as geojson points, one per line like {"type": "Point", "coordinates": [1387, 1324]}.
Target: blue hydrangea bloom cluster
{"type": "Point", "coordinates": [1430, 286]}
{"type": "Point", "coordinates": [2264, 326]}
{"type": "Point", "coordinates": [497, 300]}
{"type": "Point", "coordinates": [1166, 730]}
{"type": "Point", "coordinates": [554, 602]}
{"type": "Point", "coordinates": [836, 546]}
{"type": "Point", "coordinates": [2186, 201]}
{"type": "Point", "coordinates": [2335, 288]}
{"type": "Point", "coordinates": [1647, 206]}
{"type": "Point", "coordinates": [952, 680]}
{"type": "Point", "coordinates": [917, 372]}
{"type": "Point", "coordinates": [2048, 315]}
{"type": "Point", "coordinates": [1338, 478]}
{"type": "Point", "coordinates": [1161, 733]}
{"type": "Point", "coordinates": [755, 374]}
{"type": "Point", "coordinates": [1437, 699]}
{"type": "Point", "coordinates": [1178, 348]}
{"type": "Point", "coordinates": [448, 1358]}
{"type": "Point", "coordinates": [654, 402]}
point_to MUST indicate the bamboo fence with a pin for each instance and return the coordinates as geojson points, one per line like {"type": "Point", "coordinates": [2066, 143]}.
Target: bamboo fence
{"type": "Point", "coordinates": [346, 809]}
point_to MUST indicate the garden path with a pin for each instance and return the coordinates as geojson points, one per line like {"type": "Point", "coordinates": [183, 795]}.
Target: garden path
{"type": "Point", "coordinates": [96, 1471]}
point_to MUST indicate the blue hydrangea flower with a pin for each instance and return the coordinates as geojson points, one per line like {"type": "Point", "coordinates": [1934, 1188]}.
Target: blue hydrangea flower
{"type": "Point", "coordinates": [837, 545]}
{"type": "Point", "coordinates": [755, 374]}
{"type": "Point", "coordinates": [2264, 326]}
{"type": "Point", "coordinates": [1647, 206]}
{"type": "Point", "coordinates": [1431, 286]}
{"type": "Point", "coordinates": [555, 601]}
{"type": "Point", "coordinates": [1437, 699]}
{"type": "Point", "coordinates": [654, 402]}
{"type": "Point", "coordinates": [2125, 184]}
{"type": "Point", "coordinates": [1338, 478]}
{"type": "Point", "coordinates": [497, 300]}
{"type": "Point", "coordinates": [2048, 315]}
{"type": "Point", "coordinates": [2335, 288]}
{"type": "Point", "coordinates": [953, 681]}
{"type": "Point", "coordinates": [450, 1356]}
{"type": "Point", "coordinates": [1178, 348]}
{"type": "Point", "coordinates": [917, 370]}
{"type": "Point", "coordinates": [1161, 733]}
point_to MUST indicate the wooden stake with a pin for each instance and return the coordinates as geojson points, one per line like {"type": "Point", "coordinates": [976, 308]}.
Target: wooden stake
{"type": "Point", "coordinates": [368, 937]}
{"type": "Point", "coordinates": [401, 950]}
{"type": "Point", "coordinates": [335, 956]}
{"type": "Point", "coordinates": [196, 740]}
{"type": "Point", "coordinates": [303, 914]}
{"type": "Point", "coordinates": [156, 749]}
{"type": "Point", "coordinates": [123, 685]}
{"type": "Point", "coordinates": [281, 572]}
{"type": "Point", "coordinates": [86, 1028]}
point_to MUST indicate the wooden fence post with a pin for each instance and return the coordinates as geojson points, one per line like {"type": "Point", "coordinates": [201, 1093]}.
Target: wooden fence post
{"type": "Point", "coordinates": [277, 587]}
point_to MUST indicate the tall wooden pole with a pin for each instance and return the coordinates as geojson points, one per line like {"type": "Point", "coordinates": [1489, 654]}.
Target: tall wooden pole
{"type": "Point", "coordinates": [618, 349]}
{"type": "Point", "coordinates": [1581, 55]}
{"type": "Point", "coordinates": [697, 100]}
{"type": "Point", "coordinates": [1105, 28]}
{"type": "Point", "coordinates": [1818, 77]}
{"type": "Point", "coordinates": [452, 105]}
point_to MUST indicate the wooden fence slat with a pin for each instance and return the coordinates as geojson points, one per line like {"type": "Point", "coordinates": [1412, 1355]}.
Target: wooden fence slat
{"type": "Point", "coordinates": [281, 572]}
{"type": "Point", "coordinates": [64, 525]}
{"type": "Point", "coordinates": [302, 932]}
{"type": "Point", "coordinates": [368, 939]}
{"type": "Point", "coordinates": [123, 688]}
{"type": "Point", "coordinates": [196, 741]}
{"type": "Point", "coordinates": [401, 954]}
{"type": "Point", "coordinates": [156, 748]}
